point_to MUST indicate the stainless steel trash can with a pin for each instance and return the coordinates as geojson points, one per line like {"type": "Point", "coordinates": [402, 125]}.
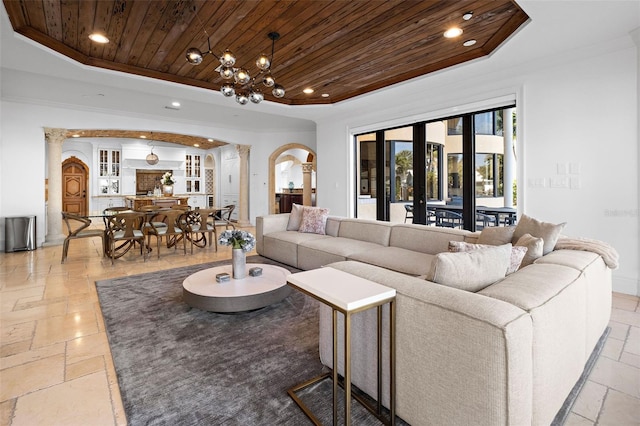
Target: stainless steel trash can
{"type": "Point", "coordinates": [20, 233]}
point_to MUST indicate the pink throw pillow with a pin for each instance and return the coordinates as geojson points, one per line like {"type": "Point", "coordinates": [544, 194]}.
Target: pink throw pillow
{"type": "Point", "coordinates": [314, 220]}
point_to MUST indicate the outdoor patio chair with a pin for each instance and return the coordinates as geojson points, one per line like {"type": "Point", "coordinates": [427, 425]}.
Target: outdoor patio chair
{"type": "Point", "coordinates": [448, 219]}
{"type": "Point", "coordinates": [408, 212]}
{"type": "Point", "coordinates": [484, 220]}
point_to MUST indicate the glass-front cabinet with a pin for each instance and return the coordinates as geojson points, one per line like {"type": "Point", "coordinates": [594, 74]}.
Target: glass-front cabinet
{"type": "Point", "coordinates": [109, 172]}
{"type": "Point", "coordinates": [193, 173]}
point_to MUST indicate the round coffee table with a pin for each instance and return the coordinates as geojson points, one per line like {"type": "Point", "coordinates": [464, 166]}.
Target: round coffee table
{"type": "Point", "coordinates": [202, 291]}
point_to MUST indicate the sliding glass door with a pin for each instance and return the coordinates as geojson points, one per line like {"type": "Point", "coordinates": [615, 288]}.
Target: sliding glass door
{"type": "Point", "coordinates": [464, 164]}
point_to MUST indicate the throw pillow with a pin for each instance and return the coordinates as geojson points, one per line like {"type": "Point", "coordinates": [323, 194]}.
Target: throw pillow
{"type": "Point", "coordinates": [534, 248]}
{"type": "Point", "coordinates": [314, 220]}
{"type": "Point", "coordinates": [295, 217]}
{"type": "Point", "coordinates": [472, 270]}
{"type": "Point", "coordinates": [496, 235]}
{"type": "Point", "coordinates": [549, 232]}
{"type": "Point", "coordinates": [517, 253]}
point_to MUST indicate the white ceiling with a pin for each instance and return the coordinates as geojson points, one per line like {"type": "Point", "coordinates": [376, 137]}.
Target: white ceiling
{"type": "Point", "coordinates": [556, 28]}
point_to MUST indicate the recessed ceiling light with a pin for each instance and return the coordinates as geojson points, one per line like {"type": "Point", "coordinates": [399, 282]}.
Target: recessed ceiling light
{"type": "Point", "coordinates": [99, 38]}
{"type": "Point", "coordinates": [325, 95]}
{"type": "Point", "coordinates": [469, 43]}
{"type": "Point", "coordinates": [453, 32]}
{"type": "Point", "coordinates": [308, 90]}
{"type": "Point", "coordinates": [467, 16]}
{"type": "Point", "coordinates": [75, 136]}
{"type": "Point", "coordinates": [143, 137]}
{"type": "Point", "coordinates": [175, 104]}
{"type": "Point", "coordinates": [196, 145]}
{"type": "Point", "coordinates": [210, 140]}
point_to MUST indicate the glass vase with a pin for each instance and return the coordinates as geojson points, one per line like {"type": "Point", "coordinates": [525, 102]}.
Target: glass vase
{"type": "Point", "coordinates": [238, 264]}
{"type": "Point", "coordinates": [167, 190]}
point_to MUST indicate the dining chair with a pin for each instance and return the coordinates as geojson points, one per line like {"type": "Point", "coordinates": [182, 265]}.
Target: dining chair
{"type": "Point", "coordinates": [223, 217]}
{"type": "Point", "coordinates": [183, 207]}
{"type": "Point", "coordinates": [77, 227]}
{"type": "Point", "coordinates": [106, 213]}
{"type": "Point", "coordinates": [126, 229]}
{"type": "Point", "coordinates": [153, 214]}
{"type": "Point", "coordinates": [197, 222]}
{"type": "Point", "coordinates": [172, 231]}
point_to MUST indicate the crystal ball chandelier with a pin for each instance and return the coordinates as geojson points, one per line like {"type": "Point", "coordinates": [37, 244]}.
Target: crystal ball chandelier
{"type": "Point", "coordinates": [239, 81]}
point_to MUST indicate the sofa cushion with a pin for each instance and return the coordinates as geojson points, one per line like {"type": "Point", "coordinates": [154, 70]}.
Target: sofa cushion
{"type": "Point", "coordinates": [314, 220]}
{"type": "Point", "coordinates": [397, 259]}
{"type": "Point", "coordinates": [473, 270]}
{"type": "Point", "coordinates": [496, 235]}
{"type": "Point", "coordinates": [549, 232]}
{"type": "Point", "coordinates": [424, 239]}
{"type": "Point", "coordinates": [575, 259]}
{"type": "Point", "coordinates": [319, 252]}
{"type": "Point", "coordinates": [371, 231]}
{"type": "Point", "coordinates": [295, 217]}
{"type": "Point", "coordinates": [534, 247]}
{"type": "Point", "coordinates": [283, 245]}
{"type": "Point", "coordinates": [533, 286]}
{"type": "Point", "coordinates": [517, 253]}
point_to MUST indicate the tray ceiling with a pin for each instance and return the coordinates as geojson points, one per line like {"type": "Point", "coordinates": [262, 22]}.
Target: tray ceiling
{"type": "Point", "coordinates": [339, 48]}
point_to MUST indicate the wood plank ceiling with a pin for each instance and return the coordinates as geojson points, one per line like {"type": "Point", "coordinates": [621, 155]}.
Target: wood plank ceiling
{"type": "Point", "coordinates": [338, 48]}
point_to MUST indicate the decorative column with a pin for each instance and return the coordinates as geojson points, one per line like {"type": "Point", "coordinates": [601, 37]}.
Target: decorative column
{"type": "Point", "coordinates": [509, 157]}
{"type": "Point", "coordinates": [54, 138]}
{"type": "Point", "coordinates": [243, 208]}
{"type": "Point", "coordinates": [307, 168]}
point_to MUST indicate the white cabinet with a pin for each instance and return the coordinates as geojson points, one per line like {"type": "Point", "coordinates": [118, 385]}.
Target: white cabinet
{"type": "Point", "coordinates": [197, 201]}
{"type": "Point", "coordinates": [109, 172]}
{"type": "Point", "coordinates": [231, 199]}
{"type": "Point", "coordinates": [101, 203]}
{"type": "Point", "coordinates": [192, 173]}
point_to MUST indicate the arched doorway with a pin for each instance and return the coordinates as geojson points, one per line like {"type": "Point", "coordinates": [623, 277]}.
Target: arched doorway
{"type": "Point", "coordinates": [75, 178]}
{"type": "Point", "coordinates": [274, 158]}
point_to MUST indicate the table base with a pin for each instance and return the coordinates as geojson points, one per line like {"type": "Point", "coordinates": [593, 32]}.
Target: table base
{"type": "Point", "coordinates": [356, 393]}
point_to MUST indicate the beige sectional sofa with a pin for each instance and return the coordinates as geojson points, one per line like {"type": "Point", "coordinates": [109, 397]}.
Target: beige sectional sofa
{"type": "Point", "coordinates": [509, 353]}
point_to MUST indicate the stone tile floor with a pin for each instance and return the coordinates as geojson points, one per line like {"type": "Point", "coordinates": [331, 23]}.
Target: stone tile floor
{"type": "Point", "coordinates": [56, 367]}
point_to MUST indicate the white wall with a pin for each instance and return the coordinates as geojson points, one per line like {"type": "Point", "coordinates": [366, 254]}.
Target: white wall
{"type": "Point", "coordinates": [579, 113]}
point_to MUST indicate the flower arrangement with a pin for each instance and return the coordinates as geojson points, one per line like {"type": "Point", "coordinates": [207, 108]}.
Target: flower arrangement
{"type": "Point", "coordinates": [167, 179]}
{"type": "Point", "coordinates": [238, 240]}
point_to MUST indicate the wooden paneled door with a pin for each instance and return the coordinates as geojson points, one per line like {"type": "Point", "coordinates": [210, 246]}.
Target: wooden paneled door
{"type": "Point", "coordinates": [75, 176]}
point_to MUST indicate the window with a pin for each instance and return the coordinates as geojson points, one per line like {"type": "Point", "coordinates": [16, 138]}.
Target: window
{"type": "Point", "coordinates": [486, 123]}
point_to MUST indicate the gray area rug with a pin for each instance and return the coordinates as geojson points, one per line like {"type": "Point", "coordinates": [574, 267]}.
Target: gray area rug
{"type": "Point", "coordinates": [177, 365]}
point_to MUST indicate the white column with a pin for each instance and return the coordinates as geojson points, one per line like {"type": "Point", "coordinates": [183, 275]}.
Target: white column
{"type": "Point", "coordinates": [307, 168]}
{"type": "Point", "coordinates": [55, 138]}
{"type": "Point", "coordinates": [509, 157]}
{"type": "Point", "coordinates": [243, 208]}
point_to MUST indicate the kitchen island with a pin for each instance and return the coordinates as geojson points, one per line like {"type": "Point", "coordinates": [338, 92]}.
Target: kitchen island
{"type": "Point", "coordinates": [139, 201]}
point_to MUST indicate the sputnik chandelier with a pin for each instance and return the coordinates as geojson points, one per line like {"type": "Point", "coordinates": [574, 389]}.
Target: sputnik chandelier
{"type": "Point", "coordinates": [239, 81]}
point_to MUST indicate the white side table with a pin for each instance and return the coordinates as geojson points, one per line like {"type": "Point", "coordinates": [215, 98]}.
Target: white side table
{"type": "Point", "coordinates": [348, 294]}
